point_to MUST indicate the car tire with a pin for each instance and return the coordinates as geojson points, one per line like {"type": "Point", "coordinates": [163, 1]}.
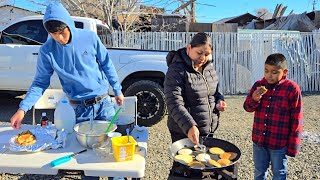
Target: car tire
{"type": "Point", "coordinates": [151, 101]}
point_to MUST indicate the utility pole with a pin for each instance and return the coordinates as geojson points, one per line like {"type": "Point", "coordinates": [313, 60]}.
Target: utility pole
{"type": "Point", "coordinates": [192, 10]}
{"type": "Point", "coordinates": [314, 5]}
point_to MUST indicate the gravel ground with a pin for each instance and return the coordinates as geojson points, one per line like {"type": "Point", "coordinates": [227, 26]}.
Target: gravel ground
{"type": "Point", "coordinates": [235, 127]}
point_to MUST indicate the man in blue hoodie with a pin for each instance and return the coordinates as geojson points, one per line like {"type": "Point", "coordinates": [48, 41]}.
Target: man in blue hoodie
{"type": "Point", "coordinates": [82, 64]}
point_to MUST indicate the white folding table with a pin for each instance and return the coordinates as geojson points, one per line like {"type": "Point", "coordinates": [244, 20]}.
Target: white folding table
{"type": "Point", "coordinates": [87, 162]}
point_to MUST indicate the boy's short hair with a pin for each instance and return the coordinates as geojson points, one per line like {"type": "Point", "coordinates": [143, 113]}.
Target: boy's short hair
{"type": "Point", "coordinates": [55, 26]}
{"type": "Point", "coordinates": [277, 59]}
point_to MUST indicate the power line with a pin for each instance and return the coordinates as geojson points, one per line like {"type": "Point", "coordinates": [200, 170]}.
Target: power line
{"type": "Point", "coordinates": [206, 4]}
{"type": "Point", "coordinates": [166, 3]}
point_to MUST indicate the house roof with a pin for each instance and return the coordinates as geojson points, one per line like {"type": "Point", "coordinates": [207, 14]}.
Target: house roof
{"type": "Point", "coordinates": [304, 22]}
{"type": "Point", "coordinates": [8, 5]}
{"type": "Point", "coordinates": [234, 19]}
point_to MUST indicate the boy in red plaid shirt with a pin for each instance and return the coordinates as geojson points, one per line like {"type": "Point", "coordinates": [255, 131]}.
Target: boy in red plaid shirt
{"type": "Point", "coordinates": [278, 119]}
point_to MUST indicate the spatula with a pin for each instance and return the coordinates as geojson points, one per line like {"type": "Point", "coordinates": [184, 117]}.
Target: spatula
{"type": "Point", "coordinates": [65, 159]}
{"type": "Point", "coordinates": [128, 135]}
{"type": "Point", "coordinates": [112, 120]}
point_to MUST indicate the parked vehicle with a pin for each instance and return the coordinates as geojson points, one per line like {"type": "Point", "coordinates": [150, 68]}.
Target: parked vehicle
{"type": "Point", "coordinates": [141, 72]}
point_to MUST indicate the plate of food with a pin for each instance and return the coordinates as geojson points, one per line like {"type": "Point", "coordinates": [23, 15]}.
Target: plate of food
{"type": "Point", "coordinates": [35, 140]}
{"type": "Point", "coordinates": [26, 138]}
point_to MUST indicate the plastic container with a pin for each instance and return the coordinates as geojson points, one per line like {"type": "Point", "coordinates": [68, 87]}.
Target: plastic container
{"type": "Point", "coordinates": [64, 116]}
{"type": "Point", "coordinates": [111, 135]}
{"type": "Point", "coordinates": [102, 149]}
{"type": "Point", "coordinates": [114, 134]}
{"type": "Point", "coordinates": [122, 149]}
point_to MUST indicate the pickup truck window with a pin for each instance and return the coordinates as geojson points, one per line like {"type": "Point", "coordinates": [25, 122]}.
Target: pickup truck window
{"type": "Point", "coordinates": [26, 32]}
{"type": "Point", "coordinates": [78, 25]}
{"type": "Point", "coordinates": [102, 30]}
{"type": "Point", "coordinates": [31, 32]}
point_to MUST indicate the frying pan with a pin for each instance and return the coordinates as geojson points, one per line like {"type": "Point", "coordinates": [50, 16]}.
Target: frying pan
{"type": "Point", "coordinates": [208, 142]}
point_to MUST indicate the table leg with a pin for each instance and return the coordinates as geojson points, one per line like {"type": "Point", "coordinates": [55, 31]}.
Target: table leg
{"type": "Point", "coordinates": [83, 177]}
{"type": "Point", "coordinates": [111, 178]}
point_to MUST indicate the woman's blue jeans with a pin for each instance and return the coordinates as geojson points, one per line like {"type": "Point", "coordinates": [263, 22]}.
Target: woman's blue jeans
{"type": "Point", "coordinates": [104, 110]}
{"type": "Point", "coordinates": [263, 156]}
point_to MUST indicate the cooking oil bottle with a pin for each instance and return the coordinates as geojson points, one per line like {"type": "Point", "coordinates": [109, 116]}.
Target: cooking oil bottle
{"type": "Point", "coordinates": [44, 119]}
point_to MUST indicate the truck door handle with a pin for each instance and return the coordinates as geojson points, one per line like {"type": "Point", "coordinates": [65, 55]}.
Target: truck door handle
{"type": "Point", "coordinates": [36, 54]}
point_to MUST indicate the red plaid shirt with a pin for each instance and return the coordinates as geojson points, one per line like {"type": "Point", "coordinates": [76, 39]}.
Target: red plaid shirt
{"type": "Point", "coordinates": [278, 116]}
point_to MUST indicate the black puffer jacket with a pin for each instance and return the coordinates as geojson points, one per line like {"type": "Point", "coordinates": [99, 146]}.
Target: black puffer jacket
{"type": "Point", "coordinates": [190, 96]}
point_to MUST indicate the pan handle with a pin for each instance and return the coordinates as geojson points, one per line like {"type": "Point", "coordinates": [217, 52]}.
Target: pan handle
{"type": "Point", "coordinates": [169, 152]}
{"type": "Point", "coordinates": [203, 138]}
{"type": "Point", "coordinates": [211, 135]}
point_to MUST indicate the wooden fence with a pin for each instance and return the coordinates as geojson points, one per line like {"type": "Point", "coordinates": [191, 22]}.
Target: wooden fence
{"type": "Point", "coordinates": [239, 57]}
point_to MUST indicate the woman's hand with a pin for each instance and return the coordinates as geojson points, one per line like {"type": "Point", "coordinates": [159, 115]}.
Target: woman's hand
{"type": "Point", "coordinates": [193, 134]}
{"type": "Point", "coordinates": [221, 106]}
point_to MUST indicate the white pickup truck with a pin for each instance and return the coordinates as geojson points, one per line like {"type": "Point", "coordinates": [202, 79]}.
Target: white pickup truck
{"type": "Point", "coordinates": [141, 72]}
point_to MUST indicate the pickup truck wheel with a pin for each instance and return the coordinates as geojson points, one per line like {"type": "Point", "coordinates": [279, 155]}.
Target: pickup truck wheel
{"type": "Point", "coordinates": [151, 101]}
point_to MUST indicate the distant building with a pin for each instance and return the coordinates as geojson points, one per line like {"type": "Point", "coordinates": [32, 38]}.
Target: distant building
{"type": "Point", "coordinates": [241, 20]}
{"type": "Point", "coordinates": [9, 13]}
{"type": "Point", "coordinates": [212, 27]}
{"type": "Point", "coordinates": [152, 9]}
{"type": "Point", "coordinates": [304, 22]}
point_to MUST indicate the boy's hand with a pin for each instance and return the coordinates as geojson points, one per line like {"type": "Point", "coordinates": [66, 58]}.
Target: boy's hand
{"type": "Point", "coordinates": [257, 94]}
{"type": "Point", "coordinates": [221, 106]}
{"type": "Point", "coordinates": [16, 119]}
{"type": "Point", "coordinates": [119, 99]}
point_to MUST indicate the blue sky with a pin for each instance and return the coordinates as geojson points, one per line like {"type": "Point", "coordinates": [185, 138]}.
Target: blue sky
{"type": "Point", "coordinates": [213, 10]}
{"type": "Point", "coordinates": [27, 4]}
{"type": "Point", "coordinates": [229, 8]}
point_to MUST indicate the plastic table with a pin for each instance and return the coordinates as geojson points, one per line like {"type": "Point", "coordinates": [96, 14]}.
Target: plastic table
{"type": "Point", "coordinates": [86, 163]}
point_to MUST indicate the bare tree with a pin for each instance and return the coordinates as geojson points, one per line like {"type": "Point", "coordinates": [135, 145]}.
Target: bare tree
{"type": "Point", "coordinates": [129, 13]}
{"type": "Point", "coordinates": [83, 8]}
{"type": "Point", "coordinates": [125, 11]}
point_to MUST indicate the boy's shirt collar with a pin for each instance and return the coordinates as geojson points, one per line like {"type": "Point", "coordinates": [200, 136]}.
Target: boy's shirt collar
{"type": "Point", "coordinates": [284, 78]}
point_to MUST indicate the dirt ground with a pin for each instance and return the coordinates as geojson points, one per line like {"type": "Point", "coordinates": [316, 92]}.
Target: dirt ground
{"type": "Point", "coordinates": [235, 127]}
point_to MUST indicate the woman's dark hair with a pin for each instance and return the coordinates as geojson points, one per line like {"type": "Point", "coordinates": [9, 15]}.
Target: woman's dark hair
{"type": "Point", "coordinates": [54, 26]}
{"type": "Point", "coordinates": [278, 60]}
{"type": "Point", "coordinates": [200, 39]}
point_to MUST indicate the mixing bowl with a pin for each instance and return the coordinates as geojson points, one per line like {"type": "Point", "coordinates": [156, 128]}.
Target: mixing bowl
{"type": "Point", "coordinates": [87, 137]}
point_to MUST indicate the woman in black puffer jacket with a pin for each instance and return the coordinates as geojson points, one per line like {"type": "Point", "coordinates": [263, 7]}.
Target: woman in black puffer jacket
{"type": "Point", "coordinates": [191, 90]}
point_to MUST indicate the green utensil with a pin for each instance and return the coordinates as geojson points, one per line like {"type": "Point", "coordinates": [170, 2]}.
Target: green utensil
{"type": "Point", "coordinates": [112, 120]}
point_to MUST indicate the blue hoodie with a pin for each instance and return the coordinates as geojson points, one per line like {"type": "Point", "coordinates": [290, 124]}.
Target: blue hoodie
{"type": "Point", "coordinates": [75, 63]}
